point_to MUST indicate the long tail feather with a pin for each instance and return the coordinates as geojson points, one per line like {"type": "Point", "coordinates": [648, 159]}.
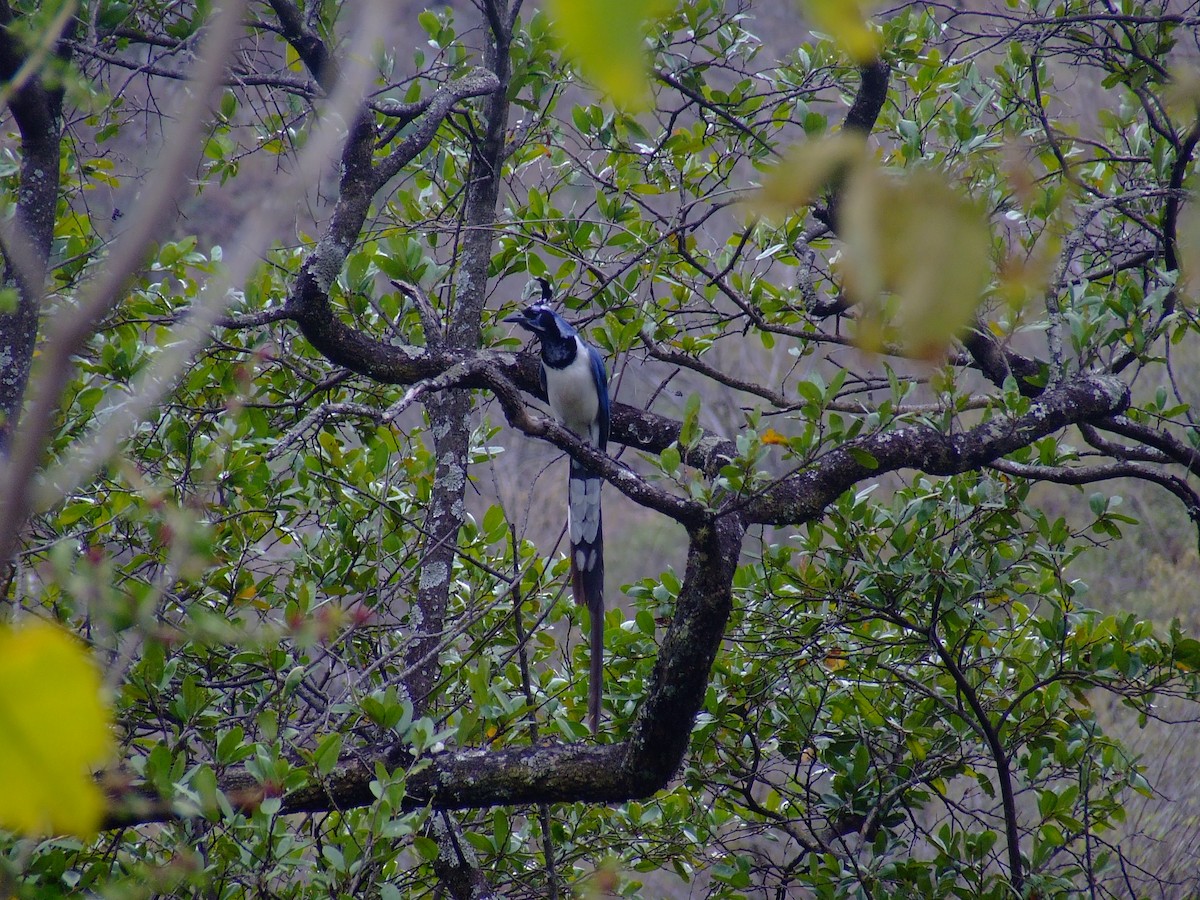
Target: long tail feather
{"type": "Point", "coordinates": [587, 572]}
{"type": "Point", "coordinates": [596, 677]}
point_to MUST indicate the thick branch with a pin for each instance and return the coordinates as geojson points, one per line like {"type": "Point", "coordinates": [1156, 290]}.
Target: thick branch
{"type": "Point", "coordinates": [803, 496]}
{"type": "Point", "coordinates": [37, 111]}
{"type": "Point", "coordinates": [307, 44]}
{"type": "Point", "coordinates": [308, 303]}
{"type": "Point", "coordinates": [868, 103]}
{"type": "Point", "coordinates": [998, 362]}
{"type": "Point", "coordinates": [554, 773]}
{"type": "Point", "coordinates": [648, 758]}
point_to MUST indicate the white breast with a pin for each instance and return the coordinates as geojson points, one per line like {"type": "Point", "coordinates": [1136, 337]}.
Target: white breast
{"type": "Point", "coordinates": [572, 394]}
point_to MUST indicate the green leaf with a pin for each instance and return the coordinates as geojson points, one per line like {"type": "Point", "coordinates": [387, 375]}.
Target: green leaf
{"type": "Point", "coordinates": [429, 21]}
{"type": "Point", "coordinates": [54, 729]}
{"type": "Point", "coordinates": [229, 104]}
{"type": "Point", "coordinates": [327, 753]}
{"type": "Point", "coordinates": [427, 847]}
{"type": "Point", "coordinates": [670, 459]}
{"type": "Point", "coordinates": [1187, 653]}
{"type": "Point", "coordinates": [689, 432]}
{"type": "Point", "coordinates": [863, 458]}
{"type": "Point", "coordinates": [73, 512]}
{"type": "Point", "coordinates": [495, 523]}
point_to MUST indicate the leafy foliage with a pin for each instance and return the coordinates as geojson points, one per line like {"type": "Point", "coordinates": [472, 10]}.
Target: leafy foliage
{"type": "Point", "coordinates": [908, 697]}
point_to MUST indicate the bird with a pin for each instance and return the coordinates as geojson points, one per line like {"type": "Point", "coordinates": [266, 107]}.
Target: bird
{"type": "Point", "coordinates": [576, 385]}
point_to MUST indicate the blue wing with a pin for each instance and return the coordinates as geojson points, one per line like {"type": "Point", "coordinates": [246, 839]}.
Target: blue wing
{"type": "Point", "coordinates": [600, 377]}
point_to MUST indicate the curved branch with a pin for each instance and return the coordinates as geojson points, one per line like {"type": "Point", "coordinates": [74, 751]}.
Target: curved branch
{"type": "Point", "coordinates": [1170, 221]}
{"type": "Point", "coordinates": [636, 767]}
{"type": "Point", "coordinates": [997, 362]}
{"type": "Point", "coordinates": [300, 87]}
{"type": "Point", "coordinates": [991, 736]}
{"type": "Point", "coordinates": [868, 102]}
{"type": "Point", "coordinates": [248, 320]}
{"type": "Point", "coordinates": [1182, 453]}
{"type": "Point", "coordinates": [682, 510]}
{"type": "Point", "coordinates": [804, 495]}
{"type": "Point", "coordinates": [306, 42]}
{"type": "Point", "coordinates": [1092, 474]}
{"type": "Point", "coordinates": [715, 108]}
{"type": "Point", "coordinates": [686, 360]}
{"type": "Point", "coordinates": [308, 303]}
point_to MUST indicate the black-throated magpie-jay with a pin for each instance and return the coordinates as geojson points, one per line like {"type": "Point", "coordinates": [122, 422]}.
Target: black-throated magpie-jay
{"type": "Point", "coordinates": [576, 386]}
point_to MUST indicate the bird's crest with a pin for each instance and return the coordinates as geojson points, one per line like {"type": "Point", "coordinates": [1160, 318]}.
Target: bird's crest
{"type": "Point", "coordinates": [539, 290]}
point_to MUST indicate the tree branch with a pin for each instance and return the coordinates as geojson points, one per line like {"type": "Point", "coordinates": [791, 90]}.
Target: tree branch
{"type": "Point", "coordinates": [37, 111]}
{"type": "Point", "coordinates": [802, 496]}
{"type": "Point", "coordinates": [552, 773]}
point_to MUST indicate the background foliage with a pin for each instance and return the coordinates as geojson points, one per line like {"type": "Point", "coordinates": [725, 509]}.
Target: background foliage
{"type": "Point", "coordinates": [891, 343]}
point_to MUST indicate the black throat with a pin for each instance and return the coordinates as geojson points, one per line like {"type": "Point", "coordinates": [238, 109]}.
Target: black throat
{"type": "Point", "coordinates": [558, 352]}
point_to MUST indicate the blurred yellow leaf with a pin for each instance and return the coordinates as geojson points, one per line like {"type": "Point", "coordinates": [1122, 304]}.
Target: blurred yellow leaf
{"type": "Point", "coordinates": [917, 259]}
{"type": "Point", "coordinates": [54, 729]}
{"type": "Point", "coordinates": [1024, 277]}
{"type": "Point", "coordinates": [804, 171]}
{"type": "Point", "coordinates": [292, 59]}
{"type": "Point", "coordinates": [1183, 92]}
{"type": "Point", "coordinates": [608, 42]}
{"type": "Point", "coordinates": [846, 23]}
{"type": "Point", "coordinates": [1188, 234]}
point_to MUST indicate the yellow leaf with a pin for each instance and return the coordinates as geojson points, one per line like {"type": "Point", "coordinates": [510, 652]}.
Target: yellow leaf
{"type": "Point", "coordinates": [771, 436]}
{"type": "Point", "coordinates": [54, 728]}
{"type": "Point", "coordinates": [292, 59]}
{"type": "Point", "coordinates": [608, 42]}
{"type": "Point", "coordinates": [917, 259]}
{"type": "Point", "coordinates": [1189, 250]}
{"type": "Point", "coordinates": [845, 22]}
{"type": "Point", "coordinates": [1183, 92]}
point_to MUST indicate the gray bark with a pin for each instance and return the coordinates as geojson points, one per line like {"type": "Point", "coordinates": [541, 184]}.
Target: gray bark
{"type": "Point", "coordinates": [37, 110]}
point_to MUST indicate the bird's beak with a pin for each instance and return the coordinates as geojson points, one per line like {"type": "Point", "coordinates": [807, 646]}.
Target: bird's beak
{"type": "Point", "coordinates": [518, 317]}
